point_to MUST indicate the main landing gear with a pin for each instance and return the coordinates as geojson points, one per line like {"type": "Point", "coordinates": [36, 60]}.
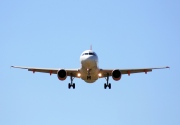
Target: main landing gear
{"type": "Point", "coordinates": [107, 84]}
{"type": "Point", "coordinates": [71, 84]}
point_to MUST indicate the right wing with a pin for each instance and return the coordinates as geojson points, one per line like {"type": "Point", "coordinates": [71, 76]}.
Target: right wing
{"type": "Point", "coordinates": [129, 71]}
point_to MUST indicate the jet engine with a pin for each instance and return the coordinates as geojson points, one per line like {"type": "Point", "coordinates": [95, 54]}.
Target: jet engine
{"type": "Point", "coordinates": [116, 74]}
{"type": "Point", "coordinates": [61, 74]}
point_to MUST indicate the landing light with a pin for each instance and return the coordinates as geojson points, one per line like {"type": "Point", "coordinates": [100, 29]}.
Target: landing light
{"type": "Point", "coordinates": [99, 74]}
{"type": "Point", "coordinates": [79, 74]}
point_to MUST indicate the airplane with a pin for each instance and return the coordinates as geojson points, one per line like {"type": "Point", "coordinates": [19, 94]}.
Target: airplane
{"type": "Point", "coordinates": [89, 70]}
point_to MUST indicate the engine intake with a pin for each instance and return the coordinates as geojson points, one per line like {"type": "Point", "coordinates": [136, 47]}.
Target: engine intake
{"type": "Point", "coordinates": [61, 74]}
{"type": "Point", "coordinates": [116, 74]}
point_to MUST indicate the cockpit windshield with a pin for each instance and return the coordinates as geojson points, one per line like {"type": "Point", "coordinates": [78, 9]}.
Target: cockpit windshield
{"type": "Point", "coordinates": [90, 53]}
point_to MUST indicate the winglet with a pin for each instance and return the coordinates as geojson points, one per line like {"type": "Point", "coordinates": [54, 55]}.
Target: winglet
{"type": "Point", "coordinates": [168, 67]}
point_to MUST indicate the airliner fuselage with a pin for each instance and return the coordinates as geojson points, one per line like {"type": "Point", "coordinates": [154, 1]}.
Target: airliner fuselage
{"type": "Point", "coordinates": [89, 66]}
{"type": "Point", "coordinates": [89, 70]}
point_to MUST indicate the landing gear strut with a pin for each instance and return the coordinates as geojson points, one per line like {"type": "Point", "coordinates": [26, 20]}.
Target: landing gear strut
{"type": "Point", "coordinates": [71, 84]}
{"type": "Point", "coordinates": [107, 84]}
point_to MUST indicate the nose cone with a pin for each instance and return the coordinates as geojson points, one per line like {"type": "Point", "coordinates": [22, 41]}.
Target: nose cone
{"type": "Point", "coordinates": [89, 61]}
{"type": "Point", "coordinates": [90, 58]}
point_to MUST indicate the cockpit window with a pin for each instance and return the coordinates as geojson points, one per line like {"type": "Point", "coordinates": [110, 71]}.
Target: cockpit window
{"type": "Point", "coordinates": [91, 53]}
{"type": "Point", "coordinates": [85, 54]}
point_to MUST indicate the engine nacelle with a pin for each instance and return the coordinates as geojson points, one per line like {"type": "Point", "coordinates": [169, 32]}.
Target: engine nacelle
{"type": "Point", "coordinates": [116, 74]}
{"type": "Point", "coordinates": [61, 74]}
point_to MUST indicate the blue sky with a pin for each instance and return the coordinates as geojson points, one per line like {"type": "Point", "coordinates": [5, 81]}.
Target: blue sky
{"type": "Point", "coordinates": [124, 34]}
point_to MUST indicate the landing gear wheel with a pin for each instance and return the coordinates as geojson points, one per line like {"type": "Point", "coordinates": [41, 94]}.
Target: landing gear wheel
{"type": "Point", "coordinates": [71, 84]}
{"type": "Point", "coordinates": [107, 84]}
{"type": "Point", "coordinates": [88, 77]}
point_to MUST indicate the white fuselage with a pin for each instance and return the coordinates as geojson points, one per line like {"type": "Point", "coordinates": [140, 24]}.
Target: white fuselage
{"type": "Point", "coordinates": [89, 66]}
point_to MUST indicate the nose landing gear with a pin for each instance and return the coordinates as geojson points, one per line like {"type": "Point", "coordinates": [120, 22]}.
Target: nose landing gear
{"type": "Point", "coordinates": [88, 76]}
{"type": "Point", "coordinates": [107, 84]}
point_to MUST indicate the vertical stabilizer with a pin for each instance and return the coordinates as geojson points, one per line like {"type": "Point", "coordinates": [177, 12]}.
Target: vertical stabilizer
{"type": "Point", "coordinates": [91, 47]}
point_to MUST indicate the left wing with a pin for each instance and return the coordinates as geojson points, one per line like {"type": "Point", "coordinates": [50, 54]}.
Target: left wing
{"type": "Point", "coordinates": [104, 72]}
{"type": "Point", "coordinates": [70, 72]}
